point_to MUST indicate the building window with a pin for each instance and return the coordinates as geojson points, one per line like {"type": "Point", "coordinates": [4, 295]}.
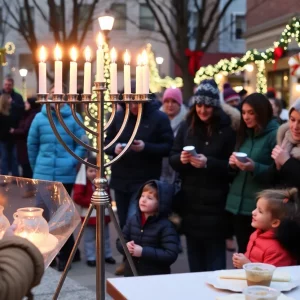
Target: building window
{"type": "Point", "coordinates": [24, 17]}
{"type": "Point", "coordinates": [239, 25]}
{"type": "Point", "coordinates": [147, 21]}
{"type": "Point", "coordinates": [84, 17]}
{"type": "Point", "coordinates": [25, 62]}
{"type": "Point", "coordinates": [58, 17]}
{"type": "Point", "coordinates": [119, 11]}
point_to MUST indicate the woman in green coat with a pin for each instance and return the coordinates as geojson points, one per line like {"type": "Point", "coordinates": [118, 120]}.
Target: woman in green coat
{"type": "Point", "coordinates": [256, 138]}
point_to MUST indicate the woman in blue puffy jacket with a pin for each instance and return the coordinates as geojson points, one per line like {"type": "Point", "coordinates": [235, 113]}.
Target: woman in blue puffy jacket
{"type": "Point", "coordinates": [50, 161]}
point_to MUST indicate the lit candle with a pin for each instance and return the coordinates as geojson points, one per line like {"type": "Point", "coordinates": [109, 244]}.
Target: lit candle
{"type": "Point", "coordinates": [100, 60]}
{"type": "Point", "coordinates": [58, 71]}
{"type": "Point", "coordinates": [113, 71]}
{"type": "Point", "coordinates": [145, 71]}
{"type": "Point", "coordinates": [87, 71]}
{"type": "Point", "coordinates": [42, 72]}
{"type": "Point", "coordinates": [139, 78]}
{"type": "Point", "coordinates": [127, 82]}
{"type": "Point", "coordinates": [73, 72]}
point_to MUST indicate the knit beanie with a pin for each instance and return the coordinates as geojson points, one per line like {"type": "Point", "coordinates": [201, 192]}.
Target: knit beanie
{"type": "Point", "coordinates": [229, 93]}
{"type": "Point", "coordinates": [174, 94]}
{"type": "Point", "coordinates": [295, 106]}
{"type": "Point", "coordinates": [207, 93]}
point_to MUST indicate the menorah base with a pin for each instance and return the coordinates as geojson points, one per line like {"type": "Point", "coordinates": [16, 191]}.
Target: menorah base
{"type": "Point", "coordinates": [100, 262]}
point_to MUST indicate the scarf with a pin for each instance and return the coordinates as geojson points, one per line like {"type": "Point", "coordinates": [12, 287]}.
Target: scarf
{"type": "Point", "coordinates": [286, 141]}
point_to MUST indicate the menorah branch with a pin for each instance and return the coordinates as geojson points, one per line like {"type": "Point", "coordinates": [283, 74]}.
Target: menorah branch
{"type": "Point", "coordinates": [112, 116]}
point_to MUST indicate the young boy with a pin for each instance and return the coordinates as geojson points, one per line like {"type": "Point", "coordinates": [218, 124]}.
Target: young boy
{"type": "Point", "coordinates": [82, 193]}
{"type": "Point", "coordinates": [151, 238]}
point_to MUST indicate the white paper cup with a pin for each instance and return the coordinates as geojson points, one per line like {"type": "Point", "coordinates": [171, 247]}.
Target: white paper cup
{"type": "Point", "coordinates": [123, 145]}
{"type": "Point", "coordinates": [241, 156]}
{"type": "Point", "coordinates": [190, 149]}
{"type": "Point", "coordinates": [257, 292]}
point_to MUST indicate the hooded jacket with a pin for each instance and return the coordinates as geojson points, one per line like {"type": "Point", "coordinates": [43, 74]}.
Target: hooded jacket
{"type": "Point", "coordinates": [203, 190]}
{"type": "Point", "coordinates": [48, 158]}
{"type": "Point", "coordinates": [157, 236]}
{"type": "Point", "coordinates": [241, 198]}
{"type": "Point", "coordinates": [134, 168]}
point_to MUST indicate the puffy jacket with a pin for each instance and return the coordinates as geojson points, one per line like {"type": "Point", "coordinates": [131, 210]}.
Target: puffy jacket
{"type": "Point", "coordinates": [158, 237]}
{"type": "Point", "coordinates": [264, 248]}
{"type": "Point", "coordinates": [203, 191]}
{"type": "Point", "coordinates": [241, 198]}
{"type": "Point", "coordinates": [134, 168]}
{"type": "Point", "coordinates": [48, 158]}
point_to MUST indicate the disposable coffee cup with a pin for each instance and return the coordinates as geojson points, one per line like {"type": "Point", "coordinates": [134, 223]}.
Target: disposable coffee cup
{"type": "Point", "coordinates": [190, 149]}
{"type": "Point", "coordinates": [241, 156]}
{"type": "Point", "coordinates": [257, 292]}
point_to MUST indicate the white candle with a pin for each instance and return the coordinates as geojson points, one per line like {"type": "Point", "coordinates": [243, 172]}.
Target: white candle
{"type": "Point", "coordinates": [87, 72]}
{"type": "Point", "coordinates": [100, 60]}
{"type": "Point", "coordinates": [139, 76]}
{"type": "Point", "coordinates": [42, 72]}
{"type": "Point", "coordinates": [58, 71]}
{"type": "Point", "coordinates": [73, 72]}
{"type": "Point", "coordinates": [113, 72]}
{"type": "Point", "coordinates": [127, 79]}
{"type": "Point", "coordinates": [145, 72]}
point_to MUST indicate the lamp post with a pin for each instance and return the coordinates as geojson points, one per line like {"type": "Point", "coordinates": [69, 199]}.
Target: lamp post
{"type": "Point", "coordinates": [159, 60]}
{"type": "Point", "coordinates": [106, 23]}
{"type": "Point", "coordinates": [23, 74]}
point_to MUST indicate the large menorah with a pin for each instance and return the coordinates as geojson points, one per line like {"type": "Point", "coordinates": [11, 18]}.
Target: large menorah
{"type": "Point", "coordinates": [100, 199]}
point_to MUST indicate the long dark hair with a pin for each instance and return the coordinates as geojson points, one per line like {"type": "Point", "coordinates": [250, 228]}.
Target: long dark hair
{"type": "Point", "coordinates": [196, 124]}
{"type": "Point", "coordinates": [263, 113]}
{"type": "Point", "coordinates": [285, 206]}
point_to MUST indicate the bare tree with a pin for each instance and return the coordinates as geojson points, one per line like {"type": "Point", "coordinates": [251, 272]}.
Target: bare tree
{"type": "Point", "coordinates": [22, 21]}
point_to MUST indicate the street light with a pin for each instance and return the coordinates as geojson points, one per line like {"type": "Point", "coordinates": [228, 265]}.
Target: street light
{"type": "Point", "coordinates": [159, 60]}
{"type": "Point", "coordinates": [23, 74]}
{"type": "Point", "coordinates": [106, 23]}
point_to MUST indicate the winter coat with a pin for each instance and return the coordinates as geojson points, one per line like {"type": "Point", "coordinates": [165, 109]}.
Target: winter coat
{"type": "Point", "coordinates": [48, 159]}
{"type": "Point", "coordinates": [22, 267]}
{"type": "Point", "coordinates": [289, 174]}
{"type": "Point", "coordinates": [20, 135]}
{"type": "Point", "coordinates": [203, 190]}
{"type": "Point", "coordinates": [134, 168]}
{"type": "Point", "coordinates": [241, 198]}
{"type": "Point", "coordinates": [157, 237]}
{"type": "Point", "coordinates": [6, 123]}
{"type": "Point", "coordinates": [264, 248]}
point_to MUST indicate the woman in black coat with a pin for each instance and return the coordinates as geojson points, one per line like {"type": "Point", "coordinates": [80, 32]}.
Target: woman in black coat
{"type": "Point", "coordinates": [205, 179]}
{"type": "Point", "coordinates": [286, 169]}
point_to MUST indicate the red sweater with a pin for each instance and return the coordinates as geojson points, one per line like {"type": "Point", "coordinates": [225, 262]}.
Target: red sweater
{"type": "Point", "coordinates": [82, 196]}
{"type": "Point", "coordinates": [264, 248]}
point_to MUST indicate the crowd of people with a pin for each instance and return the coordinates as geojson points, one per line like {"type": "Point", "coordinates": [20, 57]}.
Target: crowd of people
{"type": "Point", "coordinates": [162, 190]}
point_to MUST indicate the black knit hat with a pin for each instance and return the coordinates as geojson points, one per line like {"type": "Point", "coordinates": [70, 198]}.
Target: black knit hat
{"type": "Point", "coordinates": [207, 93]}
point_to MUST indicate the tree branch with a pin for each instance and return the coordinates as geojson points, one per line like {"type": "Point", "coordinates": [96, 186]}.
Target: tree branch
{"type": "Point", "coordinates": [53, 20]}
{"type": "Point", "coordinates": [63, 20]}
{"type": "Point", "coordinates": [40, 11]}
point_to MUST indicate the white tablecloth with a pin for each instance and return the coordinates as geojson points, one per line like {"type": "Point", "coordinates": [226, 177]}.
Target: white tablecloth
{"type": "Point", "coordinates": [176, 287]}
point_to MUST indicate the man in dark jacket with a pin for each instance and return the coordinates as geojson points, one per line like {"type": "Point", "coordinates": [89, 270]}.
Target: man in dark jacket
{"type": "Point", "coordinates": [151, 238]}
{"type": "Point", "coordinates": [143, 161]}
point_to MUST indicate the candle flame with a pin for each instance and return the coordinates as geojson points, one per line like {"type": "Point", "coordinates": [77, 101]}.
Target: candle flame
{"type": "Point", "coordinates": [43, 54]}
{"type": "Point", "coordinates": [87, 53]}
{"type": "Point", "coordinates": [126, 57]}
{"type": "Point", "coordinates": [73, 54]}
{"type": "Point", "coordinates": [139, 60]}
{"type": "Point", "coordinates": [113, 55]}
{"type": "Point", "coordinates": [100, 40]}
{"type": "Point", "coordinates": [144, 58]}
{"type": "Point", "coordinates": [57, 53]}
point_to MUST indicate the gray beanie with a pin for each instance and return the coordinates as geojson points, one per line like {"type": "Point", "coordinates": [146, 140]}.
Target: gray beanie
{"type": "Point", "coordinates": [207, 93]}
{"type": "Point", "coordinates": [295, 106]}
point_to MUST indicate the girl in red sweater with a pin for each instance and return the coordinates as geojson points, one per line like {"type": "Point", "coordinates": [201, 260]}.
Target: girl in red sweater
{"type": "Point", "coordinates": [82, 192]}
{"type": "Point", "coordinates": [277, 222]}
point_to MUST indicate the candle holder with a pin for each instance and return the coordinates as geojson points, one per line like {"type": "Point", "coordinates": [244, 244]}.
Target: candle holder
{"type": "Point", "coordinates": [100, 199]}
{"type": "Point", "coordinates": [128, 97]}
{"type": "Point", "coordinates": [72, 97]}
{"type": "Point", "coordinates": [42, 97]}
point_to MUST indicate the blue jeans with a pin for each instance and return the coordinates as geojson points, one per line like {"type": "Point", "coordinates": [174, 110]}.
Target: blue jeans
{"type": "Point", "coordinates": [9, 162]}
{"type": "Point", "coordinates": [126, 205]}
{"type": "Point", "coordinates": [90, 242]}
{"type": "Point", "coordinates": [206, 255]}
